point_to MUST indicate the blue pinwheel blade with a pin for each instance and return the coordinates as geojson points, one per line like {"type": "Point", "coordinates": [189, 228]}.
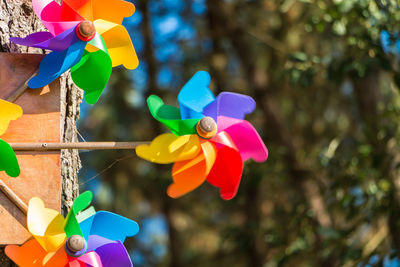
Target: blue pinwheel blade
{"type": "Point", "coordinates": [195, 95]}
{"type": "Point", "coordinates": [230, 105]}
{"type": "Point", "coordinates": [109, 225]}
{"type": "Point", "coordinates": [56, 63]}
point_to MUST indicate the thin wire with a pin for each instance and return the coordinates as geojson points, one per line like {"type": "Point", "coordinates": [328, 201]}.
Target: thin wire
{"type": "Point", "coordinates": [108, 167]}
{"type": "Point", "coordinates": [79, 134]}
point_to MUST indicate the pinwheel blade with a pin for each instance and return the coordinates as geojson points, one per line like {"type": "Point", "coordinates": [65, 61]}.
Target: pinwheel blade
{"type": "Point", "coordinates": [8, 113]}
{"type": "Point", "coordinates": [8, 160]}
{"type": "Point", "coordinates": [118, 43]}
{"type": "Point", "coordinates": [56, 18]}
{"type": "Point", "coordinates": [112, 253]}
{"type": "Point", "coordinates": [190, 174]}
{"type": "Point", "coordinates": [46, 225]}
{"type": "Point", "coordinates": [71, 225]}
{"type": "Point", "coordinates": [46, 40]}
{"type": "Point", "coordinates": [230, 105]}
{"type": "Point", "coordinates": [111, 10]}
{"type": "Point", "coordinates": [89, 259]}
{"type": "Point", "coordinates": [92, 73]}
{"type": "Point", "coordinates": [170, 117]}
{"type": "Point", "coordinates": [121, 227]}
{"type": "Point", "coordinates": [195, 96]}
{"type": "Point", "coordinates": [169, 148]}
{"type": "Point", "coordinates": [31, 254]}
{"type": "Point", "coordinates": [56, 63]}
{"type": "Point", "coordinates": [248, 141]}
{"type": "Point", "coordinates": [226, 172]}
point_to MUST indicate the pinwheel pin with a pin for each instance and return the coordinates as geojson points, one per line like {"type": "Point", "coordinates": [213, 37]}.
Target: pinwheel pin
{"type": "Point", "coordinates": [8, 160]}
{"type": "Point", "coordinates": [86, 37]}
{"type": "Point", "coordinates": [210, 139]}
{"type": "Point", "coordinates": [84, 238]}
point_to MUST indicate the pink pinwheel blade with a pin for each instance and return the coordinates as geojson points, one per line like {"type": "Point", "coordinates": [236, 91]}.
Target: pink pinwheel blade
{"type": "Point", "coordinates": [111, 253]}
{"type": "Point", "coordinates": [230, 105]}
{"type": "Point", "coordinates": [54, 17]}
{"type": "Point", "coordinates": [226, 172]}
{"type": "Point", "coordinates": [91, 259]}
{"type": "Point", "coordinates": [45, 40]}
{"type": "Point", "coordinates": [247, 141]}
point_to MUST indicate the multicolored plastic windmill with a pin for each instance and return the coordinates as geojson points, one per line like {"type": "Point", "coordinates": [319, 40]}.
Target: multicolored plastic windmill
{"type": "Point", "coordinates": [210, 139]}
{"type": "Point", "coordinates": [84, 238]}
{"type": "Point", "coordinates": [86, 37]}
{"type": "Point", "coordinates": [8, 160]}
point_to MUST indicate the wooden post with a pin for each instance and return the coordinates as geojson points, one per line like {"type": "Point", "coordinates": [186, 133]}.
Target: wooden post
{"type": "Point", "coordinates": [18, 19]}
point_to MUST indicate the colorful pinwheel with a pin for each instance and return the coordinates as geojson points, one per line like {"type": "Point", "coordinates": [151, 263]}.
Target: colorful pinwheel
{"type": "Point", "coordinates": [210, 139]}
{"type": "Point", "coordinates": [86, 37]}
{"type": "Point", "coordinates": [8, 160]}
{"type": "Point", "coordinates": [84, 238]}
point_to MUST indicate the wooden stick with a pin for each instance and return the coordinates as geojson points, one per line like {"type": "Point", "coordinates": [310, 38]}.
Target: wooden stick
{"type": "Point", "coordinates": [78, 145]}
{"type": "Point", "coordinates": [13, 197]}
{"type": "Point", "coordinates": [20, 90]}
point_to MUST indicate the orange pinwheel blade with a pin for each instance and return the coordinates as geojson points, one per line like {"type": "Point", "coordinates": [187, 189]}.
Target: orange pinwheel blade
{"type": "Point", "coordinates": [111, 10]}
{"type": "Point", "coordinates": [118, 43]}
{"type": "Point", "coordinates": [169, 148]}
{"type": "Point", "coordinates": [190, 174]}
{"type": "Point", "coordinates": [46, 225]}
{"type": "Point", "coordinates": [8, 112]}
{"type": "Point", "coordinates": [31, 254]}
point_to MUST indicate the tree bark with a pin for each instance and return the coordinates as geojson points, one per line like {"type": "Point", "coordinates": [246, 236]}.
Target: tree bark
{"type": "Point", "coordinates": [18, 19]}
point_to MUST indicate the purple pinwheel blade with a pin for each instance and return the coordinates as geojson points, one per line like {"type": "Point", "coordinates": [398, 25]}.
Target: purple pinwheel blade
{"type": "Point", "coordinates": [230, 105]}
{"type": "Point", "coordinates": [112, 253]}
{"type": "Point", "coordinates": [56, 63]}
{"type": "Point", "coordinates": [46, 40]}
{"type": "Point", "coordinates": [195, 95]}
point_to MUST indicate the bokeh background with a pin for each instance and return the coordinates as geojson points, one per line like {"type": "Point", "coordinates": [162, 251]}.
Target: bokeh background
{"type": "Point", "coordinates": [328, 110]}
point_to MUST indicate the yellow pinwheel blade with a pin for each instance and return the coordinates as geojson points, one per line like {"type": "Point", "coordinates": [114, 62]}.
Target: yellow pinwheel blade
{"type": "Point", "coordinates": [168, 148]}
{"type": "Point", "coordinates": [111, 10]}
{"type": "Point", "coordinates": [8, 112]}
{"type": "Point", "coordinates": [118, 43]}
{"type": "Point", "coordinates": [46, 225]}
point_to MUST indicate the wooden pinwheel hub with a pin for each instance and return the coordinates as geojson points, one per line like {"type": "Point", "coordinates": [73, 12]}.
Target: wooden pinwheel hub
{"type": "Point", "coordinates": [206, 128]}
{"type": "Point", "coordinates": [86, 30]}
{"type": "Point", "coordinates": [75, 246]}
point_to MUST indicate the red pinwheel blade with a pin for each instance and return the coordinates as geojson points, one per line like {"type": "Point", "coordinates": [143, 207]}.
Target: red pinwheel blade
{"type": "Point", "coordinates": [226, 172]}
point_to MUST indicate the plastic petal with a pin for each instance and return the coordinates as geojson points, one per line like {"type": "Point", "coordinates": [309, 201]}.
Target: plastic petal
{"type": "Point", "coordinates": [226, 172]}
{"type": "Point", "coordinates": [190, 174]}
{"type": "Point", "coordinates": [112, 253]}
{"type": "Point", "coordinates": [118, 43]}
{"type": "Point", "coordinates": [110, 10]}
{"type": "Point", "coordinates": [8, 112]}
{"type": "Point", "coordinates": [71, 225]}
{"type": "Point", "coordinates": [169, 148]}
{"type": "Point", "coordinates": [89, 259]}
{"type": "Point", "coordinates": [230, 105]}
{"type": "Point", "coordinates": [8, 160]}
{"type": "Point", "coordinates": [46, 225]}
{"type": "Point", "coordinates": [248, 141]}
{"type": "Point", "coordinates": [170, 117]}
{"type": "Point", "coordinates": [45, 40]}
{"type": "Point", "coordinates": [56, 63]}
{"type": "Point", "coordinates": [31, 254]}
{"type": "Point", "coordinates": [56, 18]}
{"type": "Point", "coordinates": [111, 226]}
{"type": "Point", "coordinates": [92, 73]}
{"type": "Point", "coordinates": [195, 96]}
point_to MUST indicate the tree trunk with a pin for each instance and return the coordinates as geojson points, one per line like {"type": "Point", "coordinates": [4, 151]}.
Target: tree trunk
{"type": "Point", "coordinates": [18, 19]}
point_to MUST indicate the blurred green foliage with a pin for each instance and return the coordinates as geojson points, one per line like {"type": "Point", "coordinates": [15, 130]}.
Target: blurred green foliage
{"type": "Point", "coordinates": [328, 110]}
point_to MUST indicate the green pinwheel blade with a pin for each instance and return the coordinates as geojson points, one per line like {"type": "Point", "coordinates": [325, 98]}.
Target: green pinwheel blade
{"type": "Point", "coordinates": [71, 225]}
{"type": "Point", "coordinates": [171, 117]}
{"type": "Point", "coordinates": [93, 71]}
{"type": "Point", "coordinates": [8, 160]}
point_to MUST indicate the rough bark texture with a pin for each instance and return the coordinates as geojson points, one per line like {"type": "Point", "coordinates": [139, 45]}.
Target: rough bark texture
{"type": "Point", "coordinates": [18, 19]}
